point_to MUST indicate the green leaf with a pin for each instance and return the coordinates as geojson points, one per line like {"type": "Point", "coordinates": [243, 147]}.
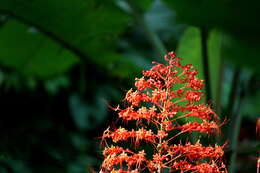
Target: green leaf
{"type": "Point", "coordinates": [198, 12]}
{"type": "Point", "coordinates": [24, 49]}
{"type": "Point", "coordinates": [189, 50]}
{"type": "Point", "coordinates": [143, 5]}
{"type": "Point", "coordinates": [88, 28]}
{"type": "Point", "coordinates": [214, 54]}
{"type": "Point", "coordinates": [242, 28]}
{"type": "Point", "coordinates": [239, 18]}
{"type": "Point", "coordinates": [242, 53]}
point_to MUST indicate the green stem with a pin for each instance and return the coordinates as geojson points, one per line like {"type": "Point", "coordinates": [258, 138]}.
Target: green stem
{"type": "Point", "coordinates": [204, 37]}
{"type": "Point", "coordinates": [155, 41]}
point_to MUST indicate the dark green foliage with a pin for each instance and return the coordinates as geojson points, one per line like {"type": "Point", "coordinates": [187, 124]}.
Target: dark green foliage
{"type": "Point", "coordinates": [238, 19]}
{"type": "Point", "coordinates": [83, 27]}
{"type": "Point", "coordinates": [63, 62]}
{"type": "Point", "coordinates": [24, 49]}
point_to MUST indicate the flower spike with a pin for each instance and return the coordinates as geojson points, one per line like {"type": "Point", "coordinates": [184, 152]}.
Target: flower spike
{"type": "Point", "coordinates": [165, 99]}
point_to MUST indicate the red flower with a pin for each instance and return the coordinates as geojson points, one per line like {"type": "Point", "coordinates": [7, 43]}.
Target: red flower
{"type": "Point", "coordinates": [160, 110]}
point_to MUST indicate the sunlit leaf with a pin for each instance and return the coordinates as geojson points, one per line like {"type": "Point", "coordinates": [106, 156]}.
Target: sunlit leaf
{"type": "Point", "coordinates": [190, 50]}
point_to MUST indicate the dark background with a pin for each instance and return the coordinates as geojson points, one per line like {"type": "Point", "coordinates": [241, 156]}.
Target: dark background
{"type": "Point", "coordinates": [63, 61]}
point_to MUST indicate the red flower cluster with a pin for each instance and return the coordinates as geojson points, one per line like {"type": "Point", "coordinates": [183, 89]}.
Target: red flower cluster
{"type": "Point", "coordinates": [165, 96]}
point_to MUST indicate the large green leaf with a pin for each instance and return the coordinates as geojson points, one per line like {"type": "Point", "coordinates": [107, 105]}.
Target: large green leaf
{"type": "Point", "coordinates": [24, 49]}
{"type": "Point", "coordinates": [242, 53]}
{"type": "Point", "coordinates": [214, 53]}
{"type": "Point", "coordinates": [237, 17]}
{"type": "Point", "coordinates": [88, 27]}
{"type": "Point", "coordinates": [239, 20]}
{"type": "Point", "coordinates": [190, 50]}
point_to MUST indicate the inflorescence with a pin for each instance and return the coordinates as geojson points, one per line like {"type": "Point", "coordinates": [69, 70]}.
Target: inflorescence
{"type": "Point", "coordinates": [165, 99]}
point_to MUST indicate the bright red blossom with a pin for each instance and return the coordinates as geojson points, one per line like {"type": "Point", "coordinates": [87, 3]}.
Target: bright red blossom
{"type": "Point", "coordinates": [158, 109]}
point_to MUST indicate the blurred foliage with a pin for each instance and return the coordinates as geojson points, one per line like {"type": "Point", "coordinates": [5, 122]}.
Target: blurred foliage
{"type": "Point", "coordinates": [83, 27]}
{"type": "Point", "coordinates": [142, 5]}
{"type": "Point", "coordinates": [238, 19]}
{"type": "Point", "coordinates": [33, 51]}
{"type": "Point", "coordinates": [63, 64]}
{"type": "Point", "coordinates": [244, 53]}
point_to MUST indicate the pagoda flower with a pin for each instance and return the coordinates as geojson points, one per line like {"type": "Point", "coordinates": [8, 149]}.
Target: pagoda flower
{"type": "Point", "coordinates": [166, 99]}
